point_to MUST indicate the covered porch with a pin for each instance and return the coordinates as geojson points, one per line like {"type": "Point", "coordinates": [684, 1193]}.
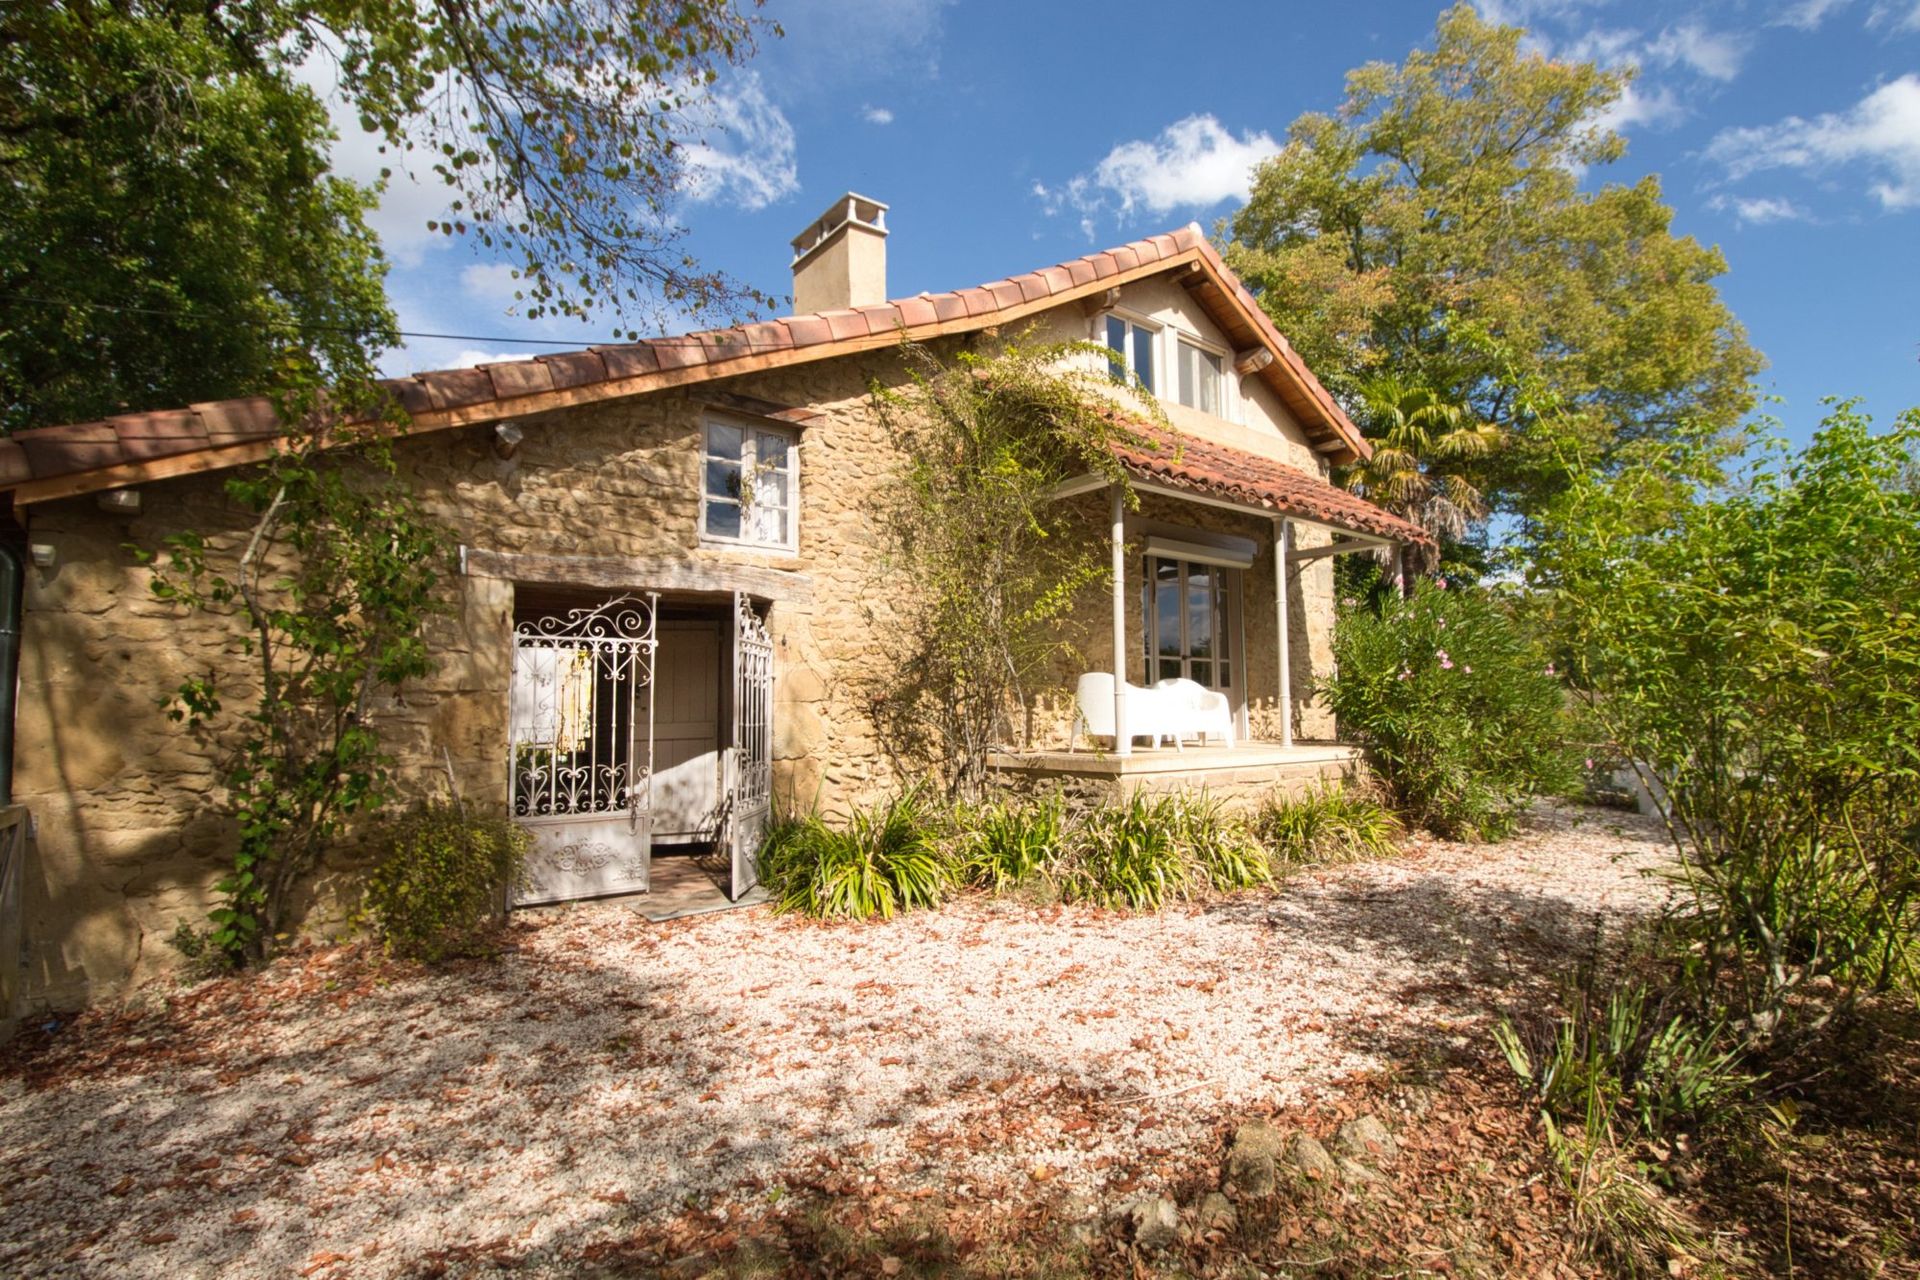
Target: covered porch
{"type": "Point", "coordinates": [1219, 621]}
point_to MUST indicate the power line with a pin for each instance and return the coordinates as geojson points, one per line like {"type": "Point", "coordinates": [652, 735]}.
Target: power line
{"type": "Point", "coordinates": [570, 344]}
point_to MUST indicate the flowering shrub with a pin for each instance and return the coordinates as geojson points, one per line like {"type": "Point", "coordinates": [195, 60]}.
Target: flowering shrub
{"type": "Point", "coordinates": [1462, 712]}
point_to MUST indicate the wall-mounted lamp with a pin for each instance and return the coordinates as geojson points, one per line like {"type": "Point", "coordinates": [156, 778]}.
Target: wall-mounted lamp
{"type": "Point", "coordinates": [124, 501]}
{"type": "Point", "coordinates": [41, 554]}
{"type": "Point", "coordinates": [506, 440]}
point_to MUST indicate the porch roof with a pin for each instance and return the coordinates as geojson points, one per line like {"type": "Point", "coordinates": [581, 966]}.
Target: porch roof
{"type": "Point", "coordinates": [1181, 461]}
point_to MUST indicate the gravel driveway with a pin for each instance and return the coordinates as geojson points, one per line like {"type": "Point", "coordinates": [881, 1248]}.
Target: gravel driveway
{"type": "Point", "coordinates": [332, 1117]}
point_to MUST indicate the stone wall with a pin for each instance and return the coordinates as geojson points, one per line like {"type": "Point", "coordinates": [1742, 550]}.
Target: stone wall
{"type": "Point", "coordinates": [129, 837]}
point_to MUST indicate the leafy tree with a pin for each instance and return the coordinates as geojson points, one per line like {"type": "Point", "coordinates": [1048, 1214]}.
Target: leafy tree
{"type": "Point", "coordinates": [983, 560]}
{"type": "Point", "coordinates": [1753, 652]}
{"type": "Point", "coordinates": [330, 593]}
{"type": "Point", "coordinates": [171, 231]}
{"type": "Point", "coordinates": [1424, 448]}
{"type": "Point", "coordinates": [1434, 229]}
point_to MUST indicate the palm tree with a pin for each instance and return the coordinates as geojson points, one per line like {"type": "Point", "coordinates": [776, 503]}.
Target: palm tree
{"type": "Point", "coordinates": [1423, 445]}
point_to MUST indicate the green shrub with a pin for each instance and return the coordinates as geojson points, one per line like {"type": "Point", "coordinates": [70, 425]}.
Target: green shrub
{"type": "Point", "coordinates": [1153, 850]}
{"type": "Point", "coordinates": [885, 860]}
{"type": "Point", "coordinates": [1331, 823]}
{"type": "Point", "coordinates": [443, 877]}
{"type": "Point", "coordinates": [1220, 847]}
{"type": "Point", "coordinates": [1461, 711]}
{"type": "Point", "coordinates": [1010, 842]}
{"type": "Point", "coordinates": [1127, 856]}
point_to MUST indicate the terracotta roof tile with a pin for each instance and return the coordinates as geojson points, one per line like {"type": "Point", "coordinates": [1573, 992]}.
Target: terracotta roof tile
{"type": "Point", "coordinates": [678, 353]}
{"type": "Point", "coordinates": [1188, 462]}
{"type": "Point", "coordinates": [884, 318]}
{"type": "Point", "coordinates": [809, 331]}
{"type": "Point", "coordinates": [49, 452]}
{"type": "Point", "coordinates": [225, 421]}
{"type": "Point", "coordinates": [949, 307]}
{"type": "Point", "coordinates": [13, 464]}
{"type": "Point", "coordinates": [77, 446]}
{"type": "Point", "coordinates": [457, 388]}
{"type": "Point", "coordinates": [629, 359]}
{"type": "Point", "coordinates": [915, 312]}
{"type": "Point", "coordinates": [519, 378]}
{"type": "Point", "coordinates": [410, 392]}
{"type": "Point", "coordinates": [574, 369]}
{"type": "Point", "coordinates": [845, 324]}
{"type": "Point", "coordinates": [158, 435]}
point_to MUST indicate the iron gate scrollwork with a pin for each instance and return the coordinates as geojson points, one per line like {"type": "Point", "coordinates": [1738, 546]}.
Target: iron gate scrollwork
{"type": "Point", "coordinates": [580, 739]}
{"type": "Point", "coordinates": [750, 759]}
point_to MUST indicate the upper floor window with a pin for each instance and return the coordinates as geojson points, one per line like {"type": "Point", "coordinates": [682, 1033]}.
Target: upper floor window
{"type": "Point", "coordinates": [1202, 378]}
{"type": "Point", "coordinates": [751, 486]}
{"type": "Point", "coordinates": [1132, 346]}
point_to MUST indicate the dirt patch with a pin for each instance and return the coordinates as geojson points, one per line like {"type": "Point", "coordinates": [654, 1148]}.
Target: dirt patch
{"type": "Point", "coordinates": [610, 1077]}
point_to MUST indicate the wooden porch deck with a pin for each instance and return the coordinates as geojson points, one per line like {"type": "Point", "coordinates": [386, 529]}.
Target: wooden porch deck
{"type": "Point", "coordinates": [1241, 774]}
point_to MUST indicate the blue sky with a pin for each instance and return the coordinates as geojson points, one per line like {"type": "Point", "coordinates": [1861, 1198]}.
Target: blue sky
{"type": "Point", "coordinates": [1010, 135]}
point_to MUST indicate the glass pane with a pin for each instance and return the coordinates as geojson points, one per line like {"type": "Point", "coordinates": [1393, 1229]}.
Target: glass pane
{"type": "Point", "coordinates": [723, 441]}
{"type": "Point", "coordinates": [1189, 375]}
{"type": "Point", "coordinates": [1200, 611]}
{"type": "Point", "coordinates": [1143, 357]}
{"type": "Point", "coordinates": [1166, 599]}
{"type": "Point", "coordinates": [1202, 672]}
{"type": "Point", "coordinates": [1169, 668]}
{"type": "Point", "coordinates": [772, 448]}
{"type": "Point", "coordinates": [1212, 378]}
{"type": "Point", "coordinates": [770, 489]}
{"type": "Point", "coordinates": [723, 518]}
{"type": "Point", "coordinates": [723, 480]}
{"type": "Point", "coordinates": [1117, 341]}
{"type": "Point", "coordinates": [1220, 613]}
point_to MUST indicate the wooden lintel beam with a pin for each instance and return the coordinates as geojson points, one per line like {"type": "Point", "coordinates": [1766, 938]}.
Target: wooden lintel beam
{"type": "Point", "coordinates": [1094, 303]}
{"type": "Point", "coordinates": [1249, 362]}
{"type": "Point", "coordinates": [1357, 542]}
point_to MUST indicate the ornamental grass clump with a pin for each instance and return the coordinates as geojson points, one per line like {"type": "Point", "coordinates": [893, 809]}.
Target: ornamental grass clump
{"type": "Point", "coordinates": [1152, 850]}
{"type": "Point", "coordinates": [443, 879]}
{"type": "Point", "coordinates": [1325, 824]}
{"type": "Point", "coordinates": [886, 859]}
{"type": "Point", "coordinates": [1011, 842]}
{"type": "Point", "coordinates": [1461, 711]}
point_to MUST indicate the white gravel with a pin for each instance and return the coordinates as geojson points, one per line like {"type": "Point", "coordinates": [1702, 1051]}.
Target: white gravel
{"type": "Point", "coordinates": [325, 1119]}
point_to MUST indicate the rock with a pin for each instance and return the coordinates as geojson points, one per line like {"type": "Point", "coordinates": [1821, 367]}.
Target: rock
{"type": "Point", "coordinates": [1154, 1221]}
{"type": "Point", "coordinates": [1309, 1157]}
{"type": "Point", "coordinates": [1367, 1140]}
{"type": "Point", "coordinates": [1251, 1158]}
{"type": "Point", "coordinates": [1353, 1171]}
{"type": "Point", "coordinates": [1215, 1213]}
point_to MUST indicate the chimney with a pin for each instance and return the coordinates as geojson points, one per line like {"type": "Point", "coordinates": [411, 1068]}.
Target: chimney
{"type": "Point", "coordinates": [841, 260]}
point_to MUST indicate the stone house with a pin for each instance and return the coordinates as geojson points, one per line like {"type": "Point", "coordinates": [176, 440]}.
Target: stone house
{"type": "Point", "coordinates": [666, 556]}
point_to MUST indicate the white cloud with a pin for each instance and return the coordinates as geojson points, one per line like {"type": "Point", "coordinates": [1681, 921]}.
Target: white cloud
{"type": "Point", "coordinates": [1657, 108]}
{"type": "Point", "coordinates": [1881, 133]}
{"type": "Point", "coordinates": [744, 152]}
{"type": "Point", "coordinates": [1759, 210]}
{"type": "Point", "coordinates": [1195, 163]}
{"type": "Point", "coordinates": [876, 115]}
{"type": "Point", "coordinates": [1902, 18]}
{"type": "Point", "coordinates": [468, 357]}
{"type": "Point", "coordinates": [1807, 15]}
{"type": "Point", "coordinates": [1716, 55]}
{"type": "Point", "coordinates": [490, 281]}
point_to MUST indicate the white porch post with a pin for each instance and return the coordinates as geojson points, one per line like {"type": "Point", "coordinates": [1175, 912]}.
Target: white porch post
{"type": "Point", "coordinates": [1400, 568]}
{"type": "Point", "coordinates": [1122, 743]}
{"type": "Point", "coordinates": [1282, 548]}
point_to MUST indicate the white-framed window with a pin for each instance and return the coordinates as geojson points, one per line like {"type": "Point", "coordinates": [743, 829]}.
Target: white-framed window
{"type": "Point", "coordinates": [1131, 343]}
{"type": "Point", "coordinates": [1190, 616]}
{"type": "Point", "coordinates": [750, 478]}
{"type": "Point", "coordinates": [1202, 378]}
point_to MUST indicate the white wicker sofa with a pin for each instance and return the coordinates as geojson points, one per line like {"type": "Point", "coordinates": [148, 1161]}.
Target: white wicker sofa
{"type": "Point", "coordinates": [1176, 709]}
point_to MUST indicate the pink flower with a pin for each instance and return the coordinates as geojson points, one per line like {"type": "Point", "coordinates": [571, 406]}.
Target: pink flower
{"type": "Point", "coordinates": [1468, 668]}
{"type": "Point", "coordinates": [1441, 583]}
{"type": "Point", "coordinates": [1440, 623]}
{"type": "Point", "coordinates": [1589, 762]}
{"type": "Point", "coordinates": [1446, 663]}
{"type": "Point", "coordinates": [1549, 668]}
{"type": "Point", "coordinates": [1405, 674]}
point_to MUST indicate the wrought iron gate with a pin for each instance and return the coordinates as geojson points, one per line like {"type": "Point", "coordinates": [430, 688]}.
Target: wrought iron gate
{"type": "Point", "coordinates": [580, 739]}
{"type": "Point", "coordinates": [749, 776]}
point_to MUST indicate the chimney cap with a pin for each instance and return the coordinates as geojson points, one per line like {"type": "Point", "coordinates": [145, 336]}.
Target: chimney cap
{"type": "Point", "coordinates": [851, 209]}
